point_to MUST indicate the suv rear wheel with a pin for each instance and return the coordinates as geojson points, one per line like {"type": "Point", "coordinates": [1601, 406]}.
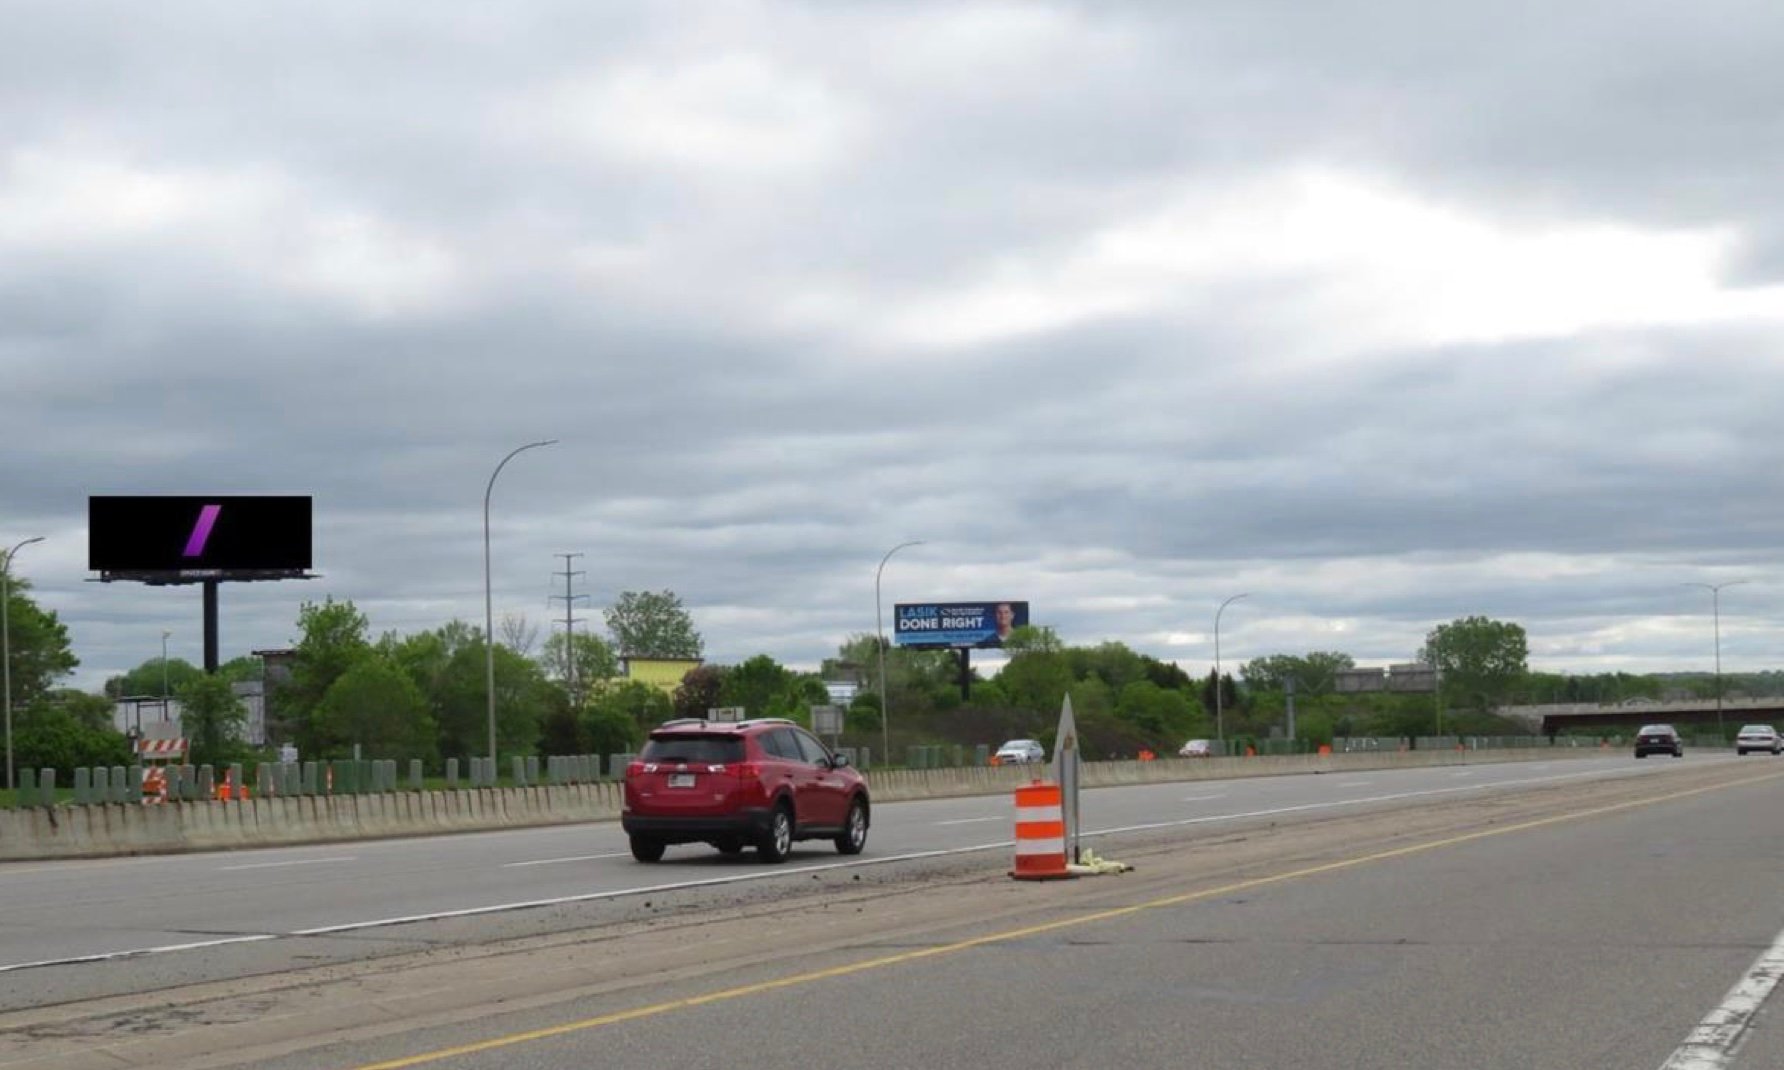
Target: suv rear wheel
{"type": "Point", "coordinates": [777, 842]}
{"type": "Point", "coordinates": [645, 849]}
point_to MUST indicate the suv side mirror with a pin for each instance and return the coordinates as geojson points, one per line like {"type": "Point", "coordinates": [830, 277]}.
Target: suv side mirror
{"type": "Point", "coordinates": [837, 761]}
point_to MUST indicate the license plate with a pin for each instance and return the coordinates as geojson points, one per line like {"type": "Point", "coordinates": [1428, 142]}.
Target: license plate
{"type": "Point", "coordinates": [681, 780]}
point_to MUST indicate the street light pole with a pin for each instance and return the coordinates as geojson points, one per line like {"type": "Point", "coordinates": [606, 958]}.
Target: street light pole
{"type": "Point", "coordinates": [1715, 590]}
{"type": "Point", "coordinates": [489, 622]}
{"type": "Point", "coordinates": [879, 641]}
{"type": "Point", "coordinates": [1219, 699]}
{"type": "Point", "coordinates": [6, 643]}
{"type": "Point", "coordinates": [164, 636]}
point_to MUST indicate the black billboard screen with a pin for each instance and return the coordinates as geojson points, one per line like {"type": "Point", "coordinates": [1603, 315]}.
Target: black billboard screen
{"type": "Point", "coordinates": [177, 534]}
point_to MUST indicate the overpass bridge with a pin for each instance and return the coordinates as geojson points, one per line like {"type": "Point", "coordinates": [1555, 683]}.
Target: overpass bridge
{"type": "Point", "coordinates": [1699, 712]}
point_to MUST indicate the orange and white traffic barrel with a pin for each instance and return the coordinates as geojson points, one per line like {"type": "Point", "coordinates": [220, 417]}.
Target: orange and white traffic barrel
{"type": "Point", "coordinates": [1040, 834]}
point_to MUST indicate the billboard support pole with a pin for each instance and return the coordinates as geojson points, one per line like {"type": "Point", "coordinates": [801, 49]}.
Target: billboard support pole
{"type": "Point", "coordinates": [966, 674]}
{"type": "Point", "coordinates": [210, 626]}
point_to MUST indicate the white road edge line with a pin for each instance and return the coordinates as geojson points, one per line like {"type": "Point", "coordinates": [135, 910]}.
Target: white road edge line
{"type": "Point", "coordinates": [1201, 798]}
{"type": "Point", "coordinates": [112, 956]}
{"type": "Point", "coordinates": [971, 820]}
{"type": "Point", "coordinates": [1712, 1043]}
{"type": "Point", "coordinates": [569, 858]}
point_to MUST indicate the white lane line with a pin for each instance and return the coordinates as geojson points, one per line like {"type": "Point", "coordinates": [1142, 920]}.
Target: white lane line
{"type": "Point", "coordinates": [1711, 1045]}
{"type": "Point", "coordinates": [112, 956]}
{"type": "Point", "coordinates": [1355, 784]}
{"type": "Point", "coordinates": [1463, 773]}
{"type": "Point", "coordinates": [1202, 798]}
{"type": "Point", "coordinates": [570, 858]}
{"type": "Point", "coordinates": [295, 862]}
{"type": "Point", "coordinates": [971, 820]}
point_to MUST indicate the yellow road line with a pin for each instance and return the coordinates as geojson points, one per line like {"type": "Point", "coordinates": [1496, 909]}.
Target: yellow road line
{"type": "Point", "coordinates": [741, 991]}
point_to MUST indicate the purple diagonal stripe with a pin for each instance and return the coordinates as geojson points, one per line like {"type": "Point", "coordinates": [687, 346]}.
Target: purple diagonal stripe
{"type": "Point", "coordinates": [201, 531]}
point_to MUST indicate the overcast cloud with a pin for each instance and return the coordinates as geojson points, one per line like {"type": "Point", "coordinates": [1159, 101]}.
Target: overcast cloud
{"type": "Point", "coordinates": [1383, 314]}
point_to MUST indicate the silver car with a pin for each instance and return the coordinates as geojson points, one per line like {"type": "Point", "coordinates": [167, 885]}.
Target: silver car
{"type": "Point", "coordinates": [1020, 752]}
{"type": "Point", "coordinates": [1758, 737]}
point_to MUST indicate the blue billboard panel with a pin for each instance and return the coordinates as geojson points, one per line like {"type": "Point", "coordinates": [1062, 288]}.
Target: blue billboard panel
{"type": "Point", "coordinates": [936, 624]}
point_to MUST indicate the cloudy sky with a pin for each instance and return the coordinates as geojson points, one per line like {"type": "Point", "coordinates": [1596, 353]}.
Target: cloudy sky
{"type": "Point", "coordinates": [1382, 314]}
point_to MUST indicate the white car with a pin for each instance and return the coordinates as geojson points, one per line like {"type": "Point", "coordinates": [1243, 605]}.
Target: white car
{"type": "Point", "coordinates": [1020, 752]}
{"type": "Point", "coordinates": [1758, 737]}
{"type": "Point", "coordinates": [1195, 748]}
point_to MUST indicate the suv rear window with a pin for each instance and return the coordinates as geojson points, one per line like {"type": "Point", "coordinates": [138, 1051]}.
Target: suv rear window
{"type": "Point", "coordinates": [714, 750]}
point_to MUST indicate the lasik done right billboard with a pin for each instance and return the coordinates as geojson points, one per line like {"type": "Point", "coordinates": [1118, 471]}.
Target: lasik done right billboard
{"type": "Point", "coordinates": [956, 624]}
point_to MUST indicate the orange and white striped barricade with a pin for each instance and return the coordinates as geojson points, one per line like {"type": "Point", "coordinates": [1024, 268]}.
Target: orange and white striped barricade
{"type": "Point", "coordinates": [1040, 834]}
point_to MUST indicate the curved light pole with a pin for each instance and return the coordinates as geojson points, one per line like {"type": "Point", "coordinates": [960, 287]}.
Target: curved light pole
{"type": "Point", "coordinates": [1715, 590]}
{"type": "Point", "coordinates": [879, 640]}
{"type": "Point", "coordinates": [489, 621]}
{"type": "Point", "coordinates": [1219, 701]}
{"type": "Point", "coordinates": [6, 642]}
{"type": "Point", "coordinates": [164, 636]}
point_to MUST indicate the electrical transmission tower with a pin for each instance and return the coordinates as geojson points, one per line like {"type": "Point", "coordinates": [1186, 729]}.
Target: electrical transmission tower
{"type": "Point", "coordinates": [569, 598]}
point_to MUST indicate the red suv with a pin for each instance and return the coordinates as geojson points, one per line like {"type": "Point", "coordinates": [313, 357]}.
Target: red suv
{"type": "Point", "coordinates": [762, 783]}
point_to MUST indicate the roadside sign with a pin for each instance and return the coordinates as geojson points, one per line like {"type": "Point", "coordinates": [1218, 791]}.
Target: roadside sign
{"type": "Point", "coordinates": [1066, 752]}
{"type": "Point", "coordinates": [727, 714]}
{"type": "Point", "coordinates": [826, 720]}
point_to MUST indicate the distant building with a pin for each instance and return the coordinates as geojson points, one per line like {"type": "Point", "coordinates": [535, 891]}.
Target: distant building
{"type": "Point", "coordinates": [154, 717]}
{"type": "Point", "coordinates": [147, 717]}
{"type": "Point", "coordinates": [665, 674]}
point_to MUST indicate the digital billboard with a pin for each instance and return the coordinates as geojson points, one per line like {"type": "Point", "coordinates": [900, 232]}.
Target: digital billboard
{"type": "Point", "coordinates": [956, 624]}
{"type": "Point", "coordinates": [208, 535]}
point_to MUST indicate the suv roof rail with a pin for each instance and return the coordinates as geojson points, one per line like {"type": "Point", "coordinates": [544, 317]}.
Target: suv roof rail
{"type": "Point", "coordinates": [679, 721]}
{"type": "Point", "coordinates": [768, 720]}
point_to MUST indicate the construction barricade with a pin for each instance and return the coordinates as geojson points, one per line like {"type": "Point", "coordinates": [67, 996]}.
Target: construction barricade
{"type": "Point", "coordinates": [1040, 834]}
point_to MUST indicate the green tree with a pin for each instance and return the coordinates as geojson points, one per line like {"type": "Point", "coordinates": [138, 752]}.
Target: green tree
{"type": "Point", "coordinates": [1314, 673]}
{"type": "Point", "coordinates": [1479, 661]}
{"type": "Point", "coordinates": [375, 705]}
{"type": "Point", "coordinates": [1037, 681]}
{"type": "Point", "coordinates": [1115, 664]}
{"type": "Point", "coordinates": [763, 687]}
{"type": "Point", "coordinates": [578, 663]}
{"type": "Point", "coordinates": [38, 642]}
{"type": "Point", "coordinates": [652, 624]}
{"type": "Point", "coordinates": [214, 719]}
{"type": "Point", "coordinates": [93, 712]}
{"type": "Point", "coordinates": [699, 691]}
{"type": "Point", "coordinates": [146, 679]}
{"type": "Point", "coordinates": [1163, 715]}
{"type": "Point", "coordinates": [647, 706]}
{"type": "Point", "coordinates": [1034, 639]}
{"type": "Point", "coordinates": [334, 641]}
{"type": "Point", "coordinates": [46, 736]}
{"type": "Point", "coordinates": [461, 703]}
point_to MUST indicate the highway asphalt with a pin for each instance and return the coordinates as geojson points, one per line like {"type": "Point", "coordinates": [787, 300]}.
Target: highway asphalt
{"type": "Point", "coordinates": [1540, 927]}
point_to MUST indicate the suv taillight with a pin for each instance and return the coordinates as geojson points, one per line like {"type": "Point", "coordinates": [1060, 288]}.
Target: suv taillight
{"type": "Point", "coordinates": [634, 768]}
